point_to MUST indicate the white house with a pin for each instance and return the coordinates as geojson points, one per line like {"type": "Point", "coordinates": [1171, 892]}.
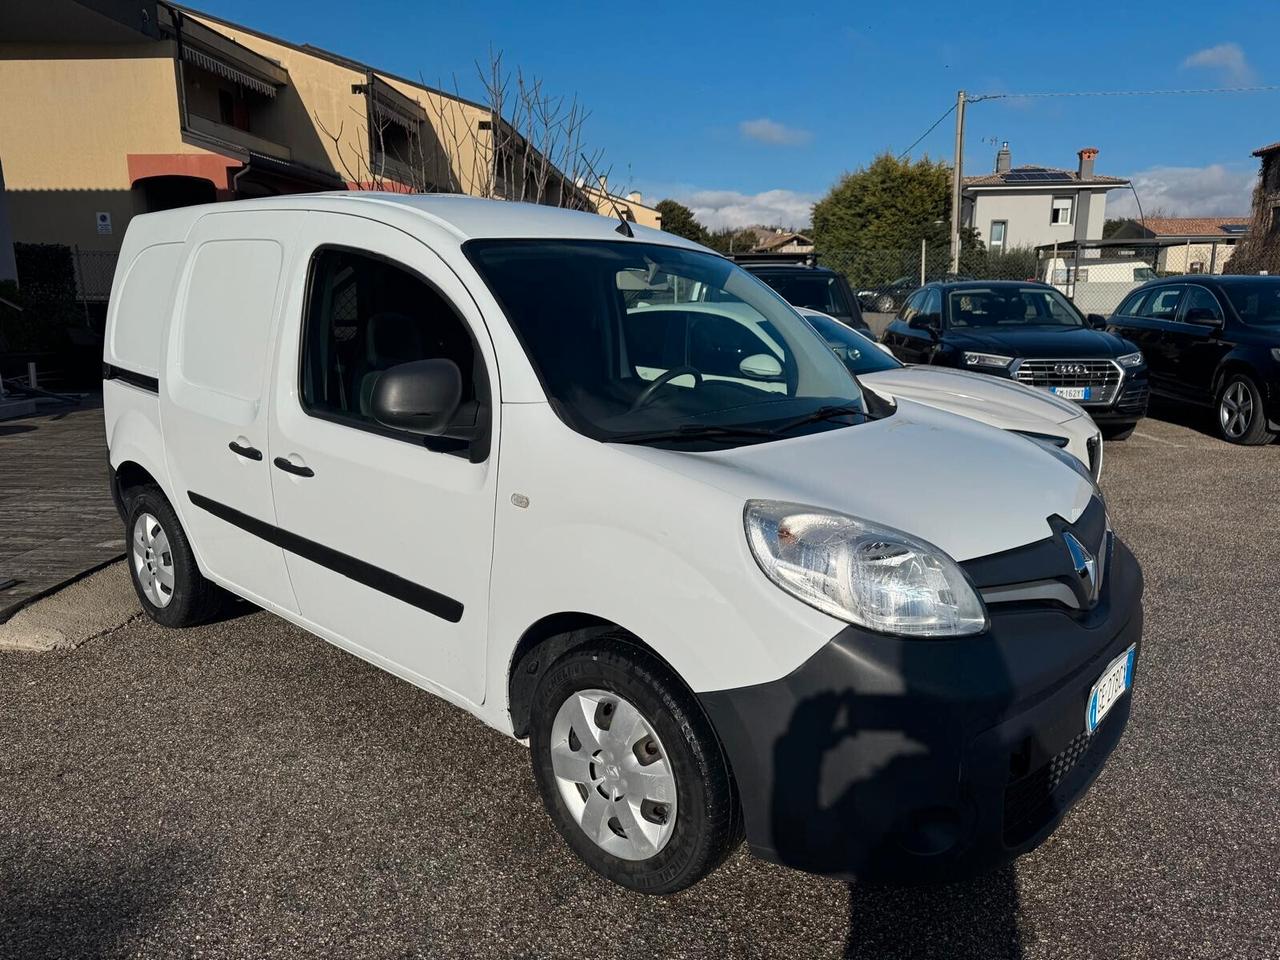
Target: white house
{"type": "Point", "coordinates": [1033, 206]}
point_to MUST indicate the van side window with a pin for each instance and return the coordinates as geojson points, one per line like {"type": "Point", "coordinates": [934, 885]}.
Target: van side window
{"type": "Point", "coordinates": [365, 315]}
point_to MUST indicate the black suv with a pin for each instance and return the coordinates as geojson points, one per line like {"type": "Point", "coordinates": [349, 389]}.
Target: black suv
{"type": "Point", "coordinates": [1212, 340]}
{"type": "Point", "coordinates": [803, 283]}
{"type": "Point", "coordinates": [1028, 332]}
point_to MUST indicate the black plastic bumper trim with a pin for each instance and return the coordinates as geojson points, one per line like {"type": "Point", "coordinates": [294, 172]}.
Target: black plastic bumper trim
{"type": "Point", "coordinates": [384, 581]}
{"type": "Point", "coordinates": [886, 758]}
{"type": "Point", "coordinates": [111, 372]}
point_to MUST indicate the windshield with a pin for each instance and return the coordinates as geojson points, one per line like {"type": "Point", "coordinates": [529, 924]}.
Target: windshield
{"type": "Point", "coordinates": [1257, 301]}
{"type": "Point", "coordinates": [628, 347]}
{"type": "Point", "coordinates": [1011, 307]}
{"type": "Point", "coordinates": [859, 354]}
{"type": "Point", "coordinates": [817, 291]}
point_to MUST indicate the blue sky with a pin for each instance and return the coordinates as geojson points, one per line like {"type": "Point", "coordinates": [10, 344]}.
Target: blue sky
{"type": "Point", "coordinates": [750, 111]}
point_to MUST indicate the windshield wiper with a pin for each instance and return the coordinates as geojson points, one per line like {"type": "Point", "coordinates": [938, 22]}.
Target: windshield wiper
{"type": "Point", "coordinates": [695, 431]}
{"type": "Point", "coordinates": [828, 412]}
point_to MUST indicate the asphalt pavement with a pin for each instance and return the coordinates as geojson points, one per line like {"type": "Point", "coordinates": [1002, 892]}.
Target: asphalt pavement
{"type": "Point", "coordinates": [246, 790]}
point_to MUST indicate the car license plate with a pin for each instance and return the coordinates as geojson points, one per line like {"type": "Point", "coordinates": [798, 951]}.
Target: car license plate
{"type": "Point", "coordinates": [1072, 393]}
{"type": "Point", "coordinates": [1115, 680]}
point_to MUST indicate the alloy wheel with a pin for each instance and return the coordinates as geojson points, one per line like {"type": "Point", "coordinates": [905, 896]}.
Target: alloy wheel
{"type": "Point", "coordinates": [152, 560]}
{"type": "Point", "coordinates": [613, 774]}
{"type": "Point", "coordinates": [1235, 412]}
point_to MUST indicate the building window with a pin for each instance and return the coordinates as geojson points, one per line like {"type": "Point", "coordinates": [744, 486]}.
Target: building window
{"type": "Point", "coordinates": [998, 230]}
{"type": "Point", "coordinates": [1061, 213]}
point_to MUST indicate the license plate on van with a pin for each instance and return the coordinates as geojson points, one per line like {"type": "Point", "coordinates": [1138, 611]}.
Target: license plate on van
{"type": "Point", "coordinates": [1072, 393]}
{"type": "Point", "coordinates": [1113, 683]}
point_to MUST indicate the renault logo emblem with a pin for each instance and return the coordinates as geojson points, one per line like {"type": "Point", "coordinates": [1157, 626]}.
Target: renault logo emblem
{"type": "Point", "coordinates": [1071, 369]}
{"type": "Point", "coordinates": [1084, 563]}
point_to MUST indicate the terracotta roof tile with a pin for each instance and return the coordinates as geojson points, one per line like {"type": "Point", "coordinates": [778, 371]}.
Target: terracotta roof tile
{"type": "Point", "coordinates": [1194, 226]}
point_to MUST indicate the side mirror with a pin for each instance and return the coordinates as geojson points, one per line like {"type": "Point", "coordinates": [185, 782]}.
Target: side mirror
{"type": "Point", "coordinates": [761, 366]}
{"type": "Point", "coordinates": [1096, 320]}
{"type": "Point", "coordinates": [924, 321]}
{"type": "Point", "coordinates": [1203, 316]}
{"type": "Point", "coordinates": [422, 396]}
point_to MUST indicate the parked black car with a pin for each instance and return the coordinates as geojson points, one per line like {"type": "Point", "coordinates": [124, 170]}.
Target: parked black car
{"type": "Point", "coordinates": [805, 284]}
{"type": "Point", "coordinates": [887, 297]}
{"type": "Point", "coordinates": [1031, 333]}
{"type": "Point", "coordinates": [1212, 340]}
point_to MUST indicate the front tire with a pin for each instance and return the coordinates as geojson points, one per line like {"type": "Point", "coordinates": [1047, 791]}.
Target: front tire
{"type": "Point", "coordinates": [1241, 417]}
{"type": "Point", "coordinates": [630, 770]}
{"type": "Point", "coordinates": [163, 568]}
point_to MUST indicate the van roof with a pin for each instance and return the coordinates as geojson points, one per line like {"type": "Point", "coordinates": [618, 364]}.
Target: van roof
{"type": "Point", "coordinates": [466, 218]}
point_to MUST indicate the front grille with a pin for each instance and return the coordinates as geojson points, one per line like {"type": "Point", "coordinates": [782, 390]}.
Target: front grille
{"type": "Point", "coordinates": [1134, 398]}
{"type": "Point", "coordinates": [1102, 375]}
{"type": "Point", "coordinates": [1028, 800]}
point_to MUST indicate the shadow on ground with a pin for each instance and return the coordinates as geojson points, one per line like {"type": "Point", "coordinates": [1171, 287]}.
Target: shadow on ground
{"type": "Point", "coordinates": [84, 905]}
{"type": "Point", "coordinates": [975, 920]}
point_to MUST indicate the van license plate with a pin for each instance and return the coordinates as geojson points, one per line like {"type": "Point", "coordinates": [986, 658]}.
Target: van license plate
{"type": "Point", "coordinates": [1115, 680]}
{"type": "Point", "coordinates": [1072, 393]}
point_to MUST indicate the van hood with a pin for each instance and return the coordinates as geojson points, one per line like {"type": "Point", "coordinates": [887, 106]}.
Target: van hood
{"type": "Point", "coordinates": [966, 487]}
{"type": "Point", "coordinates": [1002, 403]}
{"type": "Point", "coordinates": [1076, 343]}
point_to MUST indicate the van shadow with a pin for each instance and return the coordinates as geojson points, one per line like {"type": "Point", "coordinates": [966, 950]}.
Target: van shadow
{"type": "Point", "coordinates": [881, 758]}
{"type": "Point", "coordinates": [974, 920]}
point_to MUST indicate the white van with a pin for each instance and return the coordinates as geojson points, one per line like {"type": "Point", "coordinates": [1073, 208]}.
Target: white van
{"type": "Point", "coordinates": [719, 592]}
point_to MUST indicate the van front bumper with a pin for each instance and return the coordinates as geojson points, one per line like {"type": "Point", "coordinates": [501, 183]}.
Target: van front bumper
{"type": "Point", "coordinates": [905, 761]}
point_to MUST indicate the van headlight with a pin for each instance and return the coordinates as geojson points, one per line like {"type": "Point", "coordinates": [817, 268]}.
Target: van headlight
{"type": "Point", "coordinates": [862, 572]}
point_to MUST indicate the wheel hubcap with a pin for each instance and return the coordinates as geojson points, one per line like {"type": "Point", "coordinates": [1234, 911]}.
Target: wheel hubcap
{"type": "Point", "coordinates": [1236, 410]}
{"type": "Point", "coordinates": [613, 774]}
{"type": "Point", "coordinates": [152, 560]}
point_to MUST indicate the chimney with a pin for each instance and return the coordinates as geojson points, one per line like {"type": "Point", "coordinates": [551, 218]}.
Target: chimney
{"type": "Point", "coordinates": [1086, 162]}
{"type": "Point", "coordinates": [1003, 158]}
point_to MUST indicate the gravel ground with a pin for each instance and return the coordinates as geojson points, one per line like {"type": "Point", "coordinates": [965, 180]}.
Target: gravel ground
{"type": "Point", "coordinates": [245, 790]}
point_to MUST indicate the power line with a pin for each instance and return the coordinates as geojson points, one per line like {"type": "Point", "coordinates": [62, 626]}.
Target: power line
{"type": "Point", "coordinates": [1124, 93]}
{"type": "Point", "coordinates": [950, 110]}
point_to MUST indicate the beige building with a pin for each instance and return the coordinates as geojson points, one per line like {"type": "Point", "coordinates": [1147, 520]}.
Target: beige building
{"type": "Point", "coordinates": [117, 107]}
{"type": "Point", "coordinates": [1188, 244]}
{"type": "Point", "coordinates": [631, 207]}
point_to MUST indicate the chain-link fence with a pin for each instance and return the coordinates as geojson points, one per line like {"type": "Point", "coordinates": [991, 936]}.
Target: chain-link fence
{"type": "Point", "coordinates": [94, 270]}
{"type": "Point", "coordinates": [1096, 276]}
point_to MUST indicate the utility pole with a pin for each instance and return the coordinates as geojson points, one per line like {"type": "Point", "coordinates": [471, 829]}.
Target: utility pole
{"type": "Point", "coordinates": [957, 183]}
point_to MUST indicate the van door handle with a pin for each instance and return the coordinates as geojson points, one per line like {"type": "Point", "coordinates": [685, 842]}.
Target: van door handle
{"type": "Point", "coordinates": [249, 453]}
{"type": "Point", "coordinates": [288, 466]}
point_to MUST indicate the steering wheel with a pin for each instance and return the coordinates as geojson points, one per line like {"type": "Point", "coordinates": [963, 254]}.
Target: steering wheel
{"type": "Point", "coordinates": [646, 395]}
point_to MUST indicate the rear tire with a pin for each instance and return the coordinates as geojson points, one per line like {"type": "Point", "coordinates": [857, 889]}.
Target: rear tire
{"type": "Point", "coordinates": [163, 568]}
{"type": "Point", "coordinates": [1118, 433]}
{"type": "Point", "coordinates": [1241, 416]}
{"type": "Point", "coordinates": [655, 815]}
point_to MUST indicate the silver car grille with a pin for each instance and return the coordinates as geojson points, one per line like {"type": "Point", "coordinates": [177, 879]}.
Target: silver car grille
{"type": "Point", "coordinates": [1103, 376]}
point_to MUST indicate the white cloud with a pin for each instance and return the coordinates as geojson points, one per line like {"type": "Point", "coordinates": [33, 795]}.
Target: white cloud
{"type": "Point", "coordinates": [1227, 59]}
{"type": "Point", "coordinates": [770, 131]}
{"type": "Point", "coordinates": [1212, 191]}
{"type": "Point", "coordinates": [729, 208]}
